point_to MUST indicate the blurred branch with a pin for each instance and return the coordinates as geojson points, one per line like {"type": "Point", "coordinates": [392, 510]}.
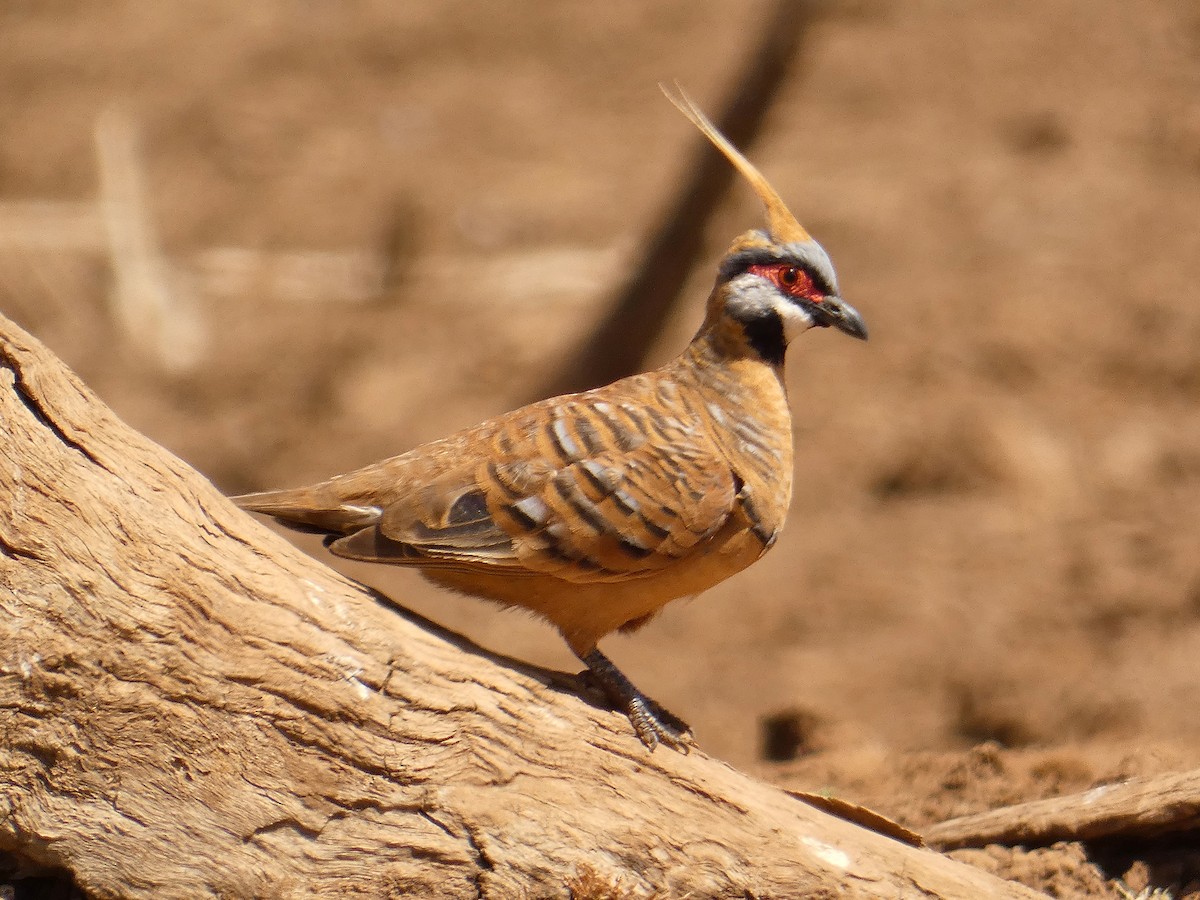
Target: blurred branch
{"type": "Point", "coordinates": [148, 300]}
{"type": "Point", "coordinates": [618, 345]}
{"type": "Point", "coordinates": [50, 224]}
{"type": "Point", "coordinates": [299, 276]}
{"type": "Point", "coordinates": [1139, 808]}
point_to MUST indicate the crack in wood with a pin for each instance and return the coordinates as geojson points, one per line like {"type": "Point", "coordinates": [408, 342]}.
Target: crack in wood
{"type": "Point", "coordinates": [32, 403]}
{"type": "Point", "coordinates": [465, 834]}
{"type": "Point", "coordinates": [289, 823]}
{"type": "Point", "coordinates": [12, 551]}
{"type": "Point", "coordinates": [482, 860]}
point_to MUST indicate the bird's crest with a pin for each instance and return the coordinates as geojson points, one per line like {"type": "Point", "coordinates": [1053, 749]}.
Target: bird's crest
{"type": "Point", "coordinates": [781, 224]}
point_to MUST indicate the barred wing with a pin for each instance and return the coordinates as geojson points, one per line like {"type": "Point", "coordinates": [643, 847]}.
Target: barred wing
{"type": "Point", "coordinates": [582, 491]}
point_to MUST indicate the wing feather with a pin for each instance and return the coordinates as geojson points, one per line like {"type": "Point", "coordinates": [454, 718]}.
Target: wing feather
{"type": "Point", "coordinates": [584, 492]}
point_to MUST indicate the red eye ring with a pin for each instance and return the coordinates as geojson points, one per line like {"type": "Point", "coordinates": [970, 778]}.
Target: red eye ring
{"type": "Point", "coordinates": [792, 280]}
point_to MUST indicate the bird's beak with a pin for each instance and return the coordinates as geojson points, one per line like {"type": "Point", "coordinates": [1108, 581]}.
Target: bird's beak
{"type": "Point", "coordinates": [841, 315]}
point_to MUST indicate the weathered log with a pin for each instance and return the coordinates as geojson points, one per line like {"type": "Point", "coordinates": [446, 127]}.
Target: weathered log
{"type": "Point", "coordinates": [190, 707]}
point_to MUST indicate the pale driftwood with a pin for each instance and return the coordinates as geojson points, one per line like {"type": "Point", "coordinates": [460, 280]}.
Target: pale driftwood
{"type": "Point", "coordinates": [190, 707]}
{"type": "Point", "coordinates": [1137, 808]}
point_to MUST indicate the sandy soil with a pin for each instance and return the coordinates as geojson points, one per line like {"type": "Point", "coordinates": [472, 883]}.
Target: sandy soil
{"type": "Point", "coordinates": [993, 538]}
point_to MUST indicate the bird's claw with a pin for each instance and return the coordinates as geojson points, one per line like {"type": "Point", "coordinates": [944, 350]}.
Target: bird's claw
{"type": "Point", "coordinates": [653, 724]}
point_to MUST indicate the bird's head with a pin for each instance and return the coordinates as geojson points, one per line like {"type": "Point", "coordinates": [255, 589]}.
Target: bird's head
{"type": "Point", "coordinates": [774, 283]}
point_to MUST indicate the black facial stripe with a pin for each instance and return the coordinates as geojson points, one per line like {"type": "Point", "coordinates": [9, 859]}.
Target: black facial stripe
{"type": "Point", "coordinates": [732, 266]}
{"type": "Point", "coordinates": [735, 265]}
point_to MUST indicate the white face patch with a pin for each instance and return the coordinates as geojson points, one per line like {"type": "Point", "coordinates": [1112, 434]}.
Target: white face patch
{"type": "Point", "coordinates": [795, 320]}
{"type": "Point", "coordinates": [752, 296]}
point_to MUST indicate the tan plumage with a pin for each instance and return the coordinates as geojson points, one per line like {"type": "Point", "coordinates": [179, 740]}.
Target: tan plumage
{"type": "Point", "coordinates": [596, 509]}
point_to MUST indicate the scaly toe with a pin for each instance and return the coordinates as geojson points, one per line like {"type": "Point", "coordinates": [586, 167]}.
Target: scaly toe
{"type": "Point", "coordinates": [654, 726]}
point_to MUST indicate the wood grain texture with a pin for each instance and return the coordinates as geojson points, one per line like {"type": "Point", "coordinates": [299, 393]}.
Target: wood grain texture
{"type": "Point", "coordinates": [190, 707]}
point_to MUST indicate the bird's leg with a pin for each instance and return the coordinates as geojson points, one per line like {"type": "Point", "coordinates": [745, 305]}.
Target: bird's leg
{"type": "Point", "coordinates": [653, 724]}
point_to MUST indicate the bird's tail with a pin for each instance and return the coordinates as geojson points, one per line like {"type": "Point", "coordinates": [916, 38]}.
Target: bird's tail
{"type": "Point", "coordinates": [310, 510]}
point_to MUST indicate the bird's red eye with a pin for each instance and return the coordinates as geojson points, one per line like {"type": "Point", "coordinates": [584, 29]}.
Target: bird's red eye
{"type": "Point", "coordinates": [792, 280]}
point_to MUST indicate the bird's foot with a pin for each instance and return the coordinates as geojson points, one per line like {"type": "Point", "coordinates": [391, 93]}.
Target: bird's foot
{"type": "Point", "coordinates": [653, 724]}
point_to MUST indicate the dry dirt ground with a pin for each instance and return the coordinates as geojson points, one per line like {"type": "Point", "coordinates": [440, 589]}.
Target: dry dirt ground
{"type": "Point", "coordinates": [385, 221]}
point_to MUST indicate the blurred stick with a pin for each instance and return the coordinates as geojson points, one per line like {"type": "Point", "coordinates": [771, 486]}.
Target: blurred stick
{"type": "Point", "coordinates": [148, 303]}
{"type": "Point", "coordinates": [51, 225]}
{"type": "Point", "coordinates": [298, 276]}
{"type": "Point", "coordinates": [1139, 807]}
{"type": "Point", "coordinates": [618, 345]}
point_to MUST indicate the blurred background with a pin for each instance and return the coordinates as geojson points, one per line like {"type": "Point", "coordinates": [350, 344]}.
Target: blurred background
{"type": "Point", "coordinates": [286, 239]}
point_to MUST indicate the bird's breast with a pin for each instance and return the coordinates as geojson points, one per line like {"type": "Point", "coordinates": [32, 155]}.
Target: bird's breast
{"type": "Point", "coordinates": [747, 417]}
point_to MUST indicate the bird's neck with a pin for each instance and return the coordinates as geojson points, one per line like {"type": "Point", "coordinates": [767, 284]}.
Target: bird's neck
{"type": "Point", "coordinates": [723, 348]}
{"type": "Point", "coordinates": [745, 398]}
{"type": "Point", "coordinates": [743, 384]}
{"type": "Point", "coordinates": [736, 327]}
